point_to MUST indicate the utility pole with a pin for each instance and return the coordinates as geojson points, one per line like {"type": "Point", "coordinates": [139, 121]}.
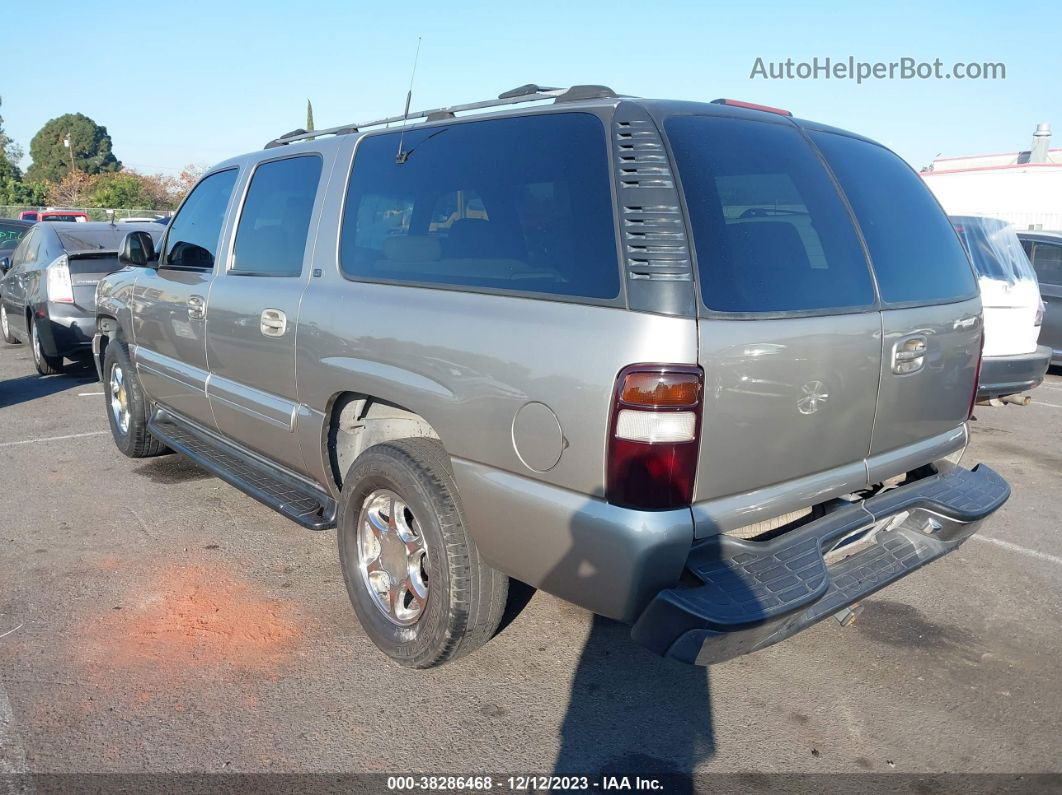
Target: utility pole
{"type": "Point", "coordinates": [70, 149]}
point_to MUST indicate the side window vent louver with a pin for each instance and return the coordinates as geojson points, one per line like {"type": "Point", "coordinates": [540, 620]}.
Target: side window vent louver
{"type": "Point", "coordinates": [655, 248]}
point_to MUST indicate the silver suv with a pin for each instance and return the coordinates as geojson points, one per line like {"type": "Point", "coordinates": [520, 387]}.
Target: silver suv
{"type": "Point", "coordinates": [702, 368]}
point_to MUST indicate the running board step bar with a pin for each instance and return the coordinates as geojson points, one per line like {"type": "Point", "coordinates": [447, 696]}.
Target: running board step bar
{"type": "Point", "coordinates": [270, 485]}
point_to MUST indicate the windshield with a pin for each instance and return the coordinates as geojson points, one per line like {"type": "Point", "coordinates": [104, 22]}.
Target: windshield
{"type": "Point", "coordinates": [994, 248]}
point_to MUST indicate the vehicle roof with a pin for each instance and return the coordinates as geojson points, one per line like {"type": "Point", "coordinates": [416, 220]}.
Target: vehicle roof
{"type": "Point", "coordinates": [1040, 234]}
{"type": "Point", "coordinates": [659, 108]}
{"type": "Point", "coordinates": [96, 236]}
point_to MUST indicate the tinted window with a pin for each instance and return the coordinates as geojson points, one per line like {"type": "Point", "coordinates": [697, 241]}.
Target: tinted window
{"type": "Point", "coordinates": [915, 253]}
{"type": "Point", "coordinates": [271, 237]}
{"type": "Point", "coordinates": [770, 230]}
{"type": "Point", "coordinates": [12, 232]}
{"type": "Point", "coordinates": [194, 233]}
{"type": "Point", "coordinates": [517, 204]}
{"type": "Point", "coordinates": [27, 247]}
{"type": "Point", "coordinates": [95, 238]}
{"type": "Point", "coordinates": [1047, 259]}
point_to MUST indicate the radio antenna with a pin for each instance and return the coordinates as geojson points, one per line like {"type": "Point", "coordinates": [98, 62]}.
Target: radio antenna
{"type": "Point", "coordinates": [402, 155]}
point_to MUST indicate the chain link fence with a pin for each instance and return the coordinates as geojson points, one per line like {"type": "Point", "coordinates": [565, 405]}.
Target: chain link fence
{"type": "Point", "coordinates": [94, 213]}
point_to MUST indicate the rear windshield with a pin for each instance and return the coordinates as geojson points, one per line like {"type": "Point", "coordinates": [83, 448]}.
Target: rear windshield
{"type": "Point", "coordinates": [12, 232]}
{"type": "Point", "coordinates": [915, 255]}
{"type": "Point", "coordinates": [520, 204]}
{"type": "Point", "coordinates": [770, 230]}
{"type": "Point", "coordinates": [105, 238]}
{"type": "Point", "coordinates": [994, 248]}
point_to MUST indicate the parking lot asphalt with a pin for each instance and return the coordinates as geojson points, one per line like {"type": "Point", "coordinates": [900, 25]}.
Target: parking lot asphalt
{"type": "Point", "coordinates": [153, 618]}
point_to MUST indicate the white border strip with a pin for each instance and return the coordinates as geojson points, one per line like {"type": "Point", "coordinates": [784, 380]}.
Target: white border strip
{"type": "Point", "coordinates": [54, 438]}
{"type": "Point", "coordinates": [1031, 553]}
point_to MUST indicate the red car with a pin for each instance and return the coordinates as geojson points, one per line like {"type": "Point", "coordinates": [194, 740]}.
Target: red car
{"type": "Point", "coordinates": [75, 216]}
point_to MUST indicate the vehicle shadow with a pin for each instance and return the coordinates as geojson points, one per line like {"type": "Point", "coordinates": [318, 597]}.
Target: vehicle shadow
{"type": "Point", "coordinates": [31, 387]}
{"type": "Point", "coordinates": [630, 713]}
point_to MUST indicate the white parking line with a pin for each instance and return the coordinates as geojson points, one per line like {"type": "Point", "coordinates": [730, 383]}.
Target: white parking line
{"type": "Point", "coordinates": [12, 755]}
{"type": "Point", "coordinates": [1032, 553]}
{"type": "Point", "coordinates": [54, 438]}
{"type": "Point", "coordinates": [1042, 403]}
{"type": "Point", "coordinates": [88, 394]}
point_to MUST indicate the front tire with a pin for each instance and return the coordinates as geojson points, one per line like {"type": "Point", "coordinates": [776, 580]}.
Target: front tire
{"type": "Point", "coordinates": [127, 410]}
{"type": "Point", "coordinates": [45, 364]}
{"type": "Point", "coordinates": [412, 571]}
{"type": "Point", "coordinates": [5, 327]}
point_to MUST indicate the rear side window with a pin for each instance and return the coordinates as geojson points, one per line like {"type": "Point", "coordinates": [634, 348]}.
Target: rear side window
{"type": "Point", "coordinates": [770, 230]}
{"type": "Point", "coordinates": [915, 254]}
{"type": "Point", "coordinates": [1047, 259]}
{"type": "Point", "coordinates": [521, 204]}
{"type": "Point", "coordinates": [192, 241]}
{"type": "Point", "coordinates": [275, 221]}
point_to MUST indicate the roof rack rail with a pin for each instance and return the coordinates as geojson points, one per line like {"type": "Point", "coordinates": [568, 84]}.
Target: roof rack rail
{"type": "Point", "coordinates": [526, 93]}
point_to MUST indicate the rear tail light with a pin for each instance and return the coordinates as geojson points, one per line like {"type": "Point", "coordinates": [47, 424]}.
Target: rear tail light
{"type": "Point", "coordinates": [59, 287]}
{"type": "Point", "coordinates": [977, 373]}
{"type": "Point", "coordinates": [653, 436]}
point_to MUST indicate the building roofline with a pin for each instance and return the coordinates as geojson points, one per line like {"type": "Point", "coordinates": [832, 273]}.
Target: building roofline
{"type": "Point", "coordinates": [989, 168]}
{"type": "Point", "coordinates": [993, 154]}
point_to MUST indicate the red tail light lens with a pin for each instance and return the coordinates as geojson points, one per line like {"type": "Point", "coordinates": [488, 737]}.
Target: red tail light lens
{"type": "Point", "coordinates": [653, 436]}
{"type": "Point", "coordinates": [737, 103]}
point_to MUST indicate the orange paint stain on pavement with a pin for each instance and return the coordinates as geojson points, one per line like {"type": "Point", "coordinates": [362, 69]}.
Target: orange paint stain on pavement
{"type": "Point", "coordinates": [192, 616]}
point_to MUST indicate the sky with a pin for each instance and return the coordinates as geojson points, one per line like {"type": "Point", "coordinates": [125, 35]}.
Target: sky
{"type": "Point", "coordinates": [197, 82]}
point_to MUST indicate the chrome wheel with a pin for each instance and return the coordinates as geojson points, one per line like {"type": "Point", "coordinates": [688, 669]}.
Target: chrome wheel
{"type": "Point", "coordinates": [3, 323]}
{"type": "Point", "coordinates": [392, 557]}
{"type": "Point", "coordinates": [119, 399]}
{"type": "Point", "coordinates": [35, 343]}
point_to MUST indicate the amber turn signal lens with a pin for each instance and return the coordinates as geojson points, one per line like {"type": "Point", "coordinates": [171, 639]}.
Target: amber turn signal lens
{"type": "Point", "coordinates": [660, 389]}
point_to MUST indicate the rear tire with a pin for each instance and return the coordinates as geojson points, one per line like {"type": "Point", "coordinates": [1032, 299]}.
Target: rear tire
{"type": "Point", "coordinates": [46, 365]}
{"type": "Point", "coordinates": [5, 327]}
{"type": "Point", "coordinates": [127, 410]}
{"type": "Point", "coordinates": [460, 599]}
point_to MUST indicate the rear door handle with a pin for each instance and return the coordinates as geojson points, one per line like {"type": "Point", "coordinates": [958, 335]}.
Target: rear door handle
{"type": "Point", "coordinates": [273, 323]}
{"type": "Point", "coordinates": [196, 307]}
{"type": "Point", "coordinates": [909, 354]}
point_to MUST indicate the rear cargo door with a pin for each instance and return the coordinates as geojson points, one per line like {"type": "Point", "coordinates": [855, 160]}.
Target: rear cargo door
{"type": "Point", "coordinates": [789, 335]}
{"type": "Point", "coordinates": [931, 312]}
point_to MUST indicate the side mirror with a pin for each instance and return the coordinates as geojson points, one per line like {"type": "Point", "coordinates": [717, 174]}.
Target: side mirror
{"type": "Point", "coordinates": [5, 264]}
{"type": "Point", "coordinates": [138, 250]}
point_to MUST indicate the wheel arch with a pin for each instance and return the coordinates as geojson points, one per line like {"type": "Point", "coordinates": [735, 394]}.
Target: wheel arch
{"type": "Point", "coordinates": [356, 421]}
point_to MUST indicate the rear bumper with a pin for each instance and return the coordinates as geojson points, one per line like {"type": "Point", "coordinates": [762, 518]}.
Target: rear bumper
{"type": "Point", "coordinates": [68, 330]}
{"type": "Point", "coordinates": [1006, 375]}
{"type": "Point", "coordinates": [754, 594]}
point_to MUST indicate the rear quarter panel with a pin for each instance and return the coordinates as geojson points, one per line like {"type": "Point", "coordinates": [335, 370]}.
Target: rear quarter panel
{"type": "Point", "coordinates": [467, 363]}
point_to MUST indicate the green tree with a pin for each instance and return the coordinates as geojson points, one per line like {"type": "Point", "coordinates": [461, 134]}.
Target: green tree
{"type": "Point", "coordinates": [118, 190]}
{"type": "Point", "coordinates": [26, 194]}
{"type": "Point", "coordinates": [10, 152]}
{"type": "Point", "coordinates": [90, 149]}
{"type": "Point", "coordinates": [130, 190]}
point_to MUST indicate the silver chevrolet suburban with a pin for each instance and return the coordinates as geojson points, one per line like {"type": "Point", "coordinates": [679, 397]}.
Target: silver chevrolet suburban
{"type": "Point", "coordinates": [700, 367]}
